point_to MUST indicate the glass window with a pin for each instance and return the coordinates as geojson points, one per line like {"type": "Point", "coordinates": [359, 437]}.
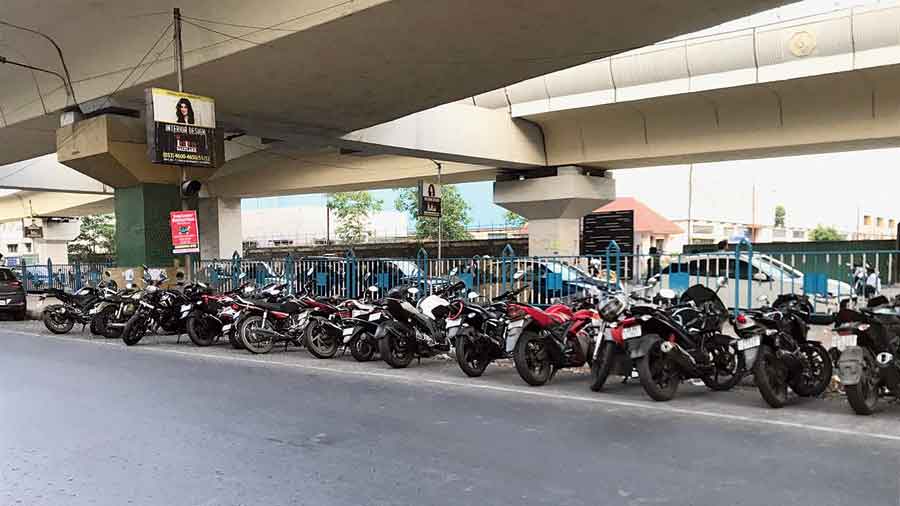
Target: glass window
{"type": "Point", "coordinates": [28, 247]}
{"type": "Point", "coordinates": [12, 248]}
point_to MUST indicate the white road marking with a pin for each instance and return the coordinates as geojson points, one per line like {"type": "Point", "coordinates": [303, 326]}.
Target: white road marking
{"type": "Point", "coordinates": [661, 408]}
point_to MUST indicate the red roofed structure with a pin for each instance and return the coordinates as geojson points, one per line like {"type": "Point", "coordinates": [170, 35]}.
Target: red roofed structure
{"type": "Point", "coordinates": [650, 228]}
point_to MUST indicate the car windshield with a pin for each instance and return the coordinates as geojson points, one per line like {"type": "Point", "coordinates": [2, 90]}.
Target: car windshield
{"type": "Point", "coordinates": [568, 272]}
{"type": "Point", "coordinates": [407, 268]}
{"type": "Point", "coordinates": [775, 269]}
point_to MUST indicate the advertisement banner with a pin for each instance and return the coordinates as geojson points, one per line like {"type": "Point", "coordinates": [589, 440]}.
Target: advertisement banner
{"type": "Point", "coordinates": [429, 199]}
{"type": "Point", "coordinates": [181, 129]}
{"type": "Point", "coordinates": [185, 232]}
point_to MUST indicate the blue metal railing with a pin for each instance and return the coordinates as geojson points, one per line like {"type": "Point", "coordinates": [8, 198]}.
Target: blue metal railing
{"type": "Point", "coordinates": [71, 277]}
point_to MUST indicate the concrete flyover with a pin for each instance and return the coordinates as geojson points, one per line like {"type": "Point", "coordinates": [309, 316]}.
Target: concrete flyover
{"type": "Point", "coordinates": [808, 85]}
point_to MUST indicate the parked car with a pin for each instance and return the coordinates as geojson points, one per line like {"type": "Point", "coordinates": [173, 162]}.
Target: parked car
{"type": "Point", "coordinates": [12, 294]}
{"type": "Point", "coordinates": [769, 277]}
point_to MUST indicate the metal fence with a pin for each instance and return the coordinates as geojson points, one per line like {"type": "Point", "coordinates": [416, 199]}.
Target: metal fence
{"type": "Point", "coordinates": [71, 277]}
{"type": "Point", "coordinates": [826, 277]}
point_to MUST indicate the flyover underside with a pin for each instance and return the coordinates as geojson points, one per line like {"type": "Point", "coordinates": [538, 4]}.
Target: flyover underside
{"type": "Point", "coordinates": [328, 68]}
{"type": "Point", "coordinates": [836, 112]}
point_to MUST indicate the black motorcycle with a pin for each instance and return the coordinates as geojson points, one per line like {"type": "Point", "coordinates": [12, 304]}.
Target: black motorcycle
{"type": "Point", "coordinates": [415, 331]}
{"type": "Point", "coordinates": [684, 343]}
{"type": "Point", "coordinates": [162, 311]}
{"type": "Point", "coordinates": [360, 329]}
{"type": "Point", "coordinates": [774, 345]}
{"type": "Point", "coordinates": [868, 341]}
{"type": "Point", "coordinates": [74, 308]}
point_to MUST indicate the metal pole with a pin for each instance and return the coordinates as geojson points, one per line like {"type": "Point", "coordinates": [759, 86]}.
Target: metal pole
{"type": "Point", "coordinates": [690, 230]}
{"type": "Point", "coordinates": [440, 217]}
{"type": "Point", "coordinates": [179, 71]}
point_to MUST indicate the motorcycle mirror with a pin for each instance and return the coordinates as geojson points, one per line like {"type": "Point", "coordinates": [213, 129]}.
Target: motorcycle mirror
{"type": "Point", "coordinates": [473, 295]}
{"type": "Point", "coordinates": [242, 275]}
{"type": "Point", "coordinates": [652, 282]}
{"type": "Point", "coordinates": [519, 275]}
{"type": "Point", "coordinates": [310, 271]}
{"type": "Point", "coordinates": [454, 270]}
{"type": "Point", "coordinates": [107, 274]}
{"type": "Point", "coordinates": [373, 289]}
{"type": "Point", "coordinates": [667, 293]}
{"type": "Point", "coordinates": [722, 282]}
{"type": "Point", "coordinates": [413, 290]}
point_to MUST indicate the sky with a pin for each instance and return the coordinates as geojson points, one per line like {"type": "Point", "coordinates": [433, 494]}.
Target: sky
{"type": "Point", "coordinates": [830, 189]}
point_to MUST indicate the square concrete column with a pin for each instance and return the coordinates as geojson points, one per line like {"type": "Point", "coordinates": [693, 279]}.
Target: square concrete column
{"type": "Point", "coordinates": [221, 233]}
{"type": "Point", "coordinates": [554, 207]}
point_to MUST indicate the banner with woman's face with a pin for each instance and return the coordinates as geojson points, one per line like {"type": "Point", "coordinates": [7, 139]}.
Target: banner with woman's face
{"type": "Point", "coordinates": [185, 108]}
{"type": "Point", "coordinates": [182, 129]}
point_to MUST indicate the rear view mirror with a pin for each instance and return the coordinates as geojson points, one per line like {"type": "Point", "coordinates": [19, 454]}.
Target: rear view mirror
{"type": "Point", "coordinates": [519, 275]}
{"type": "Point", "coordinates": [652, 282]}
{"type": "Point", "coordinates": [473, 295]}
{"type": "Point", "coordinates": [373, 289]}
{"type": "Point", "coordinates": [454, 271]}
{"type": "Point", "coordinates": [107, 274]}
{"type": "Point", "coordinates": [242, 275]}
{"type": "Point", "coordinates": [310, 271]}
{"type": "Point", "coordinates": [413, 291]}
{"type": "Point", "coordinates": [667, 293]}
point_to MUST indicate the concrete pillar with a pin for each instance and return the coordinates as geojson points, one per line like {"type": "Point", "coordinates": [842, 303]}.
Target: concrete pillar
{"type": "Point", "coordinates": [143, 234]}
{"type": "Point", "coordinates": [220, 227]}
{"type": "Point", "coordinates": [554, 207]}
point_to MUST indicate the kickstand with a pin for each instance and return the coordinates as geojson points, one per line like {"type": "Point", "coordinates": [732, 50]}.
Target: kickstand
{"type": "Point", "coordinates": [178, 339]}
{"type": "Point", "coordinates": [419, 360]}
{"type": "Point", "coordinates": [286, 345]}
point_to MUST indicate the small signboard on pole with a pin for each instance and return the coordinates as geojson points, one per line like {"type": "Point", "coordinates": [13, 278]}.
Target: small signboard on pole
{"type": "Point", "coordinates": [181, 129]}
{"type": "Point", "coordinates": [185, 232]}
{"type": "Point", "coordinates": [429, 199]}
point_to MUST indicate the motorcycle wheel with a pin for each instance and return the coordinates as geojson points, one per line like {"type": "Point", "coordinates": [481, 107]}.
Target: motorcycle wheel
{"type": "Point", "coordinates": [56, 322]}
{"type": "Point", "coordinates": [472, 359]}
{"type": "Point", "coordinates": [532, 360]}
{"type": "Point", "coordinates": [134, 330]}
{"type": "Point", "coordinates": [771, 377]}
{"type": "Point", "coordinates": [396, 351]}
{"type": "Point", "coordinates": [658, 375]}
{"type": "Point", "coordinates": [253, 342]}
{"type": "Point", "coordinates": [728, 367]}
{"type": "Point", "coordinates": [362, 348]}
{"type": "Point", "coordinates": [863, 396]}
{"type": "Point", "coordinates": [319, 343]}
{"type": "Point", "coordinates": [202, 330]}
{"type": "Point", "coordinates": [601, 367]}
{"type": "Point", "coordinates": [817, 371]}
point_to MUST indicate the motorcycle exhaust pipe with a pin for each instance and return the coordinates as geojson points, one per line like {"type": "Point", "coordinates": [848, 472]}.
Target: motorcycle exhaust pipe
{"type": "Point", "coordinates": [678, 355]}
{"type": "Point", "coordinates": [269, 333]}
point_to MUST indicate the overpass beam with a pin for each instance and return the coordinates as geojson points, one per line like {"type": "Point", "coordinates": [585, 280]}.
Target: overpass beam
{"type": "Point", "coordinates": [554, 207]}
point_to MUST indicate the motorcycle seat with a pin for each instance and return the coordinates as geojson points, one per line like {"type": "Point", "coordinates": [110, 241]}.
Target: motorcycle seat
{"type": "Point", "coordinates": [283, 307]}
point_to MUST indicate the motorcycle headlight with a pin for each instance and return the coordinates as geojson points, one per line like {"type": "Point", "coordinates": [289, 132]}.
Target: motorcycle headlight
{"type": "Point", "coordinates": [612, 308]}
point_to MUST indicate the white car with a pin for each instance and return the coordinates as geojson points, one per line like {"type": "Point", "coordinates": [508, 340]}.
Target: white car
{"type": "Point", "coordinates": [769, 278]}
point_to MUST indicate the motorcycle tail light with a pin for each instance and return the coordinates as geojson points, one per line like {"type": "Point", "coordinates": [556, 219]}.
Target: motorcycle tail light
{"type": "Point", "coordinates": [741, 319]}
{"type": "Point", "coordinates": [235, 307]}
{"type": "Point", "coordinates": [863, 327]}
{"type": "Point", "coordinates": [616, 333]}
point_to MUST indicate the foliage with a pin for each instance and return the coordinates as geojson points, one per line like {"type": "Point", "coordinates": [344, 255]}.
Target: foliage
{"type": "Point", "coordinates": [514, 220]}
{"type": "Point", "coordinates": [96, 239]}
{"type": "Point", "coordinates": [780, 214]}
{"type": "Point", "coordinates": [455, 214]}
{"type": "Point", "coordinates": [352, 210]}
{"type": "Point", "coordinates": [823, 233]}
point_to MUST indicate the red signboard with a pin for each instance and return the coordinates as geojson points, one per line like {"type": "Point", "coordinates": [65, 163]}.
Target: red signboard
{"type": "Point", "coordinates": [185, 233]}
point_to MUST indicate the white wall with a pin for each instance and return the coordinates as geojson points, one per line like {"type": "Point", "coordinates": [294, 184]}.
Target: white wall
{"type": "Point", "coordinates": [307, 224]}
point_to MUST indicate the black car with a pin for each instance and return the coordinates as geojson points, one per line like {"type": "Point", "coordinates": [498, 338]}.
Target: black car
{"type": "Point", "coordinates": [12, 294]}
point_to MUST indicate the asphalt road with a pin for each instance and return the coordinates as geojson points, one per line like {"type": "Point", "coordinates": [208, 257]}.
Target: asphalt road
{"type": "Point", "coordinates": [88, 424]}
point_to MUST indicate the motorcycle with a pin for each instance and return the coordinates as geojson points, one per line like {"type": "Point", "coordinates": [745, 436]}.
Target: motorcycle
{"type": "Point", "coordinates": [415, 331]}
{"type": "Point", "coordinates": [773, 343]}
{"type": "Point", "coordinates": [480, 332]}
{"type": "Point", "coordinates": [544, 341]}
{"type": "Point", "coordinates": [868, 341]}
{"type": "Point", "coordinates": [684, 343]}
{"type": "Point", "coordinates": [359, 332]}
{"type": "Point", "coordinates": [213, 315]}
{"type": "Point", "coordinates": [162, 310]}
{"type": "Point", "coordinates": [74, 307]}
{"type": "Point", "coordinates": [108, 318]}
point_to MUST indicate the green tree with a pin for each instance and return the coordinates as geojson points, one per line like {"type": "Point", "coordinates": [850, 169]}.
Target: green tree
{"type": "Point", "coordinates": [514, 220]}
{"type": "Point", "coordinates": [823, 233]}
{"type": "Point", "coordinates": [96, 239]}
{"type": "Point", "coordinates": [780, 214]}
{"type": "Point", "coordinates": [455, 214]}
{"type": "Point", "coordinates": [352, 210]}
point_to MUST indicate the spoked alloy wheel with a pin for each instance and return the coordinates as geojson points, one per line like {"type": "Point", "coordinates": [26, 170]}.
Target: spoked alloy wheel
{"type": "Point", "coordinates": [816, 373]}
{"type": "Point", "coordinates": [658, 375]}
{"type": "Point", "coordinates": [362, 347]}
{"type": "Point", "coordinates": [256, 342]}
{"type": "Point", "coordinates": [396, 351]}
{"type": "Point", "coordinates": [471, 356]}
{"type": "Point", "coordinates": [56, 320]}
{"type": "Point", "coordinates": [135, 329]}
{"type": "Point", "coordinates": [863, 396]}
{"type": "Point", "coordinates": [533, 360]}
{"type": "Point", "coordinates": [319, 342]}
{"type": "Point", "coordinates": [728, 366]}
{"type": "Point", "coordinates": [770, 375]}
{"type": "Point", "coordinates": [203, 330]}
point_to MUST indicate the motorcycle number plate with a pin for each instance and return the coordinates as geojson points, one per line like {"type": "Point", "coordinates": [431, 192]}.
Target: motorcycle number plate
{"type": "Point", "coordinates": [348, 331]}
{"type": "Point", "coordinates": [185, 308]}
{"type": "Point", "coordinates": [516, 324]}
{"type": "Point", "coordinates": [374, 317]}
{"type": "Point", "coordinates": [226, 328]}
{"type": "Point", "coordinates": [453, 323]}
{"type": "Point", "coordinates": [842, 342]}
{"type": "Point", "coordinates": [748, 344]}
{"type": "Point", "coordinates": [632, 332]}
{"type": "Point", "coordinates": [357, 313]}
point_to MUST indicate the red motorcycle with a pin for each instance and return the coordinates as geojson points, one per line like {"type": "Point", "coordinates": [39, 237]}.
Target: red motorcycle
{"type": "Point", "coordinates": [545, 341]}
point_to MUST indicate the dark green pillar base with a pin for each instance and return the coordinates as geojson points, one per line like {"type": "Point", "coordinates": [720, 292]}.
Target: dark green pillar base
{"type": "Point", "coordinates": [142, 224]}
